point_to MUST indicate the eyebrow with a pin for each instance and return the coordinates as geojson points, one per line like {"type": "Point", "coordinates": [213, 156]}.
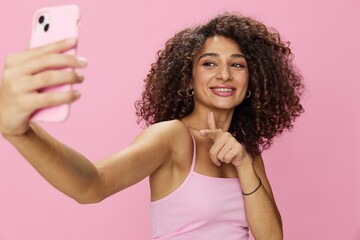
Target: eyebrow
{"type": "Point", "coordinates": [235, 55]}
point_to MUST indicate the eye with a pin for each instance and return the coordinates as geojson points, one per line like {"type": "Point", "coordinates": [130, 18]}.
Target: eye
{"type": "Point", "coordinates": [237, 65]}
{"type": "Point", "coordinates": [209, 64]}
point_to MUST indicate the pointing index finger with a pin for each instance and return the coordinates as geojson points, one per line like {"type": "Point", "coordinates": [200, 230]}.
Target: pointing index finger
{"type": "Point", "coordinates": [212, 132]}
{"type": "Point", "coordinates": [211, 121]}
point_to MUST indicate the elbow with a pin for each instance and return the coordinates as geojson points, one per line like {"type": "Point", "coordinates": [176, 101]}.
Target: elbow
{"type": "Point", "coordinates": [86, 201]}
{"type": "Point", "coordinates": [90, 197]}
{"type": "Point", "coordinates": [92, 193]}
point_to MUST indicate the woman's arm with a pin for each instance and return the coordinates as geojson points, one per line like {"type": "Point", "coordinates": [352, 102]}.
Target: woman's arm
{"type": "Point", "coordinates": [87, 182]}
{"type": "Point", "coordinates": [33, 69]}
{"type": "Point", "coordinates": [260, 207]}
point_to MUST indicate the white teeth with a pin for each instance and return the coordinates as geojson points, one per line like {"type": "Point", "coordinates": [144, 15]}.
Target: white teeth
{"type": "Point", "coordinates": [223, 89]}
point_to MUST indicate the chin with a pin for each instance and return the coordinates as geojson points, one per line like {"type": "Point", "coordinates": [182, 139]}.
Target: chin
{"type": "Point", "coordinates": [226, 106]}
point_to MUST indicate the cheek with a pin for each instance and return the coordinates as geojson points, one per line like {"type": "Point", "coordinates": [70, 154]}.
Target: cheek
{"type": "Point", "coordinates": [200, 78]}
{"type": "Point", "coordinates": [242, 79]}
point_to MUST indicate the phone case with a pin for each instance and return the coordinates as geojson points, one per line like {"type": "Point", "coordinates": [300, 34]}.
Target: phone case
{"type": "Point", "coordinates": [49, 25]}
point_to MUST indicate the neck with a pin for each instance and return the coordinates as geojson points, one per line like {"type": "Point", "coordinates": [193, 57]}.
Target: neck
{"type": "Point", "coordinates": [198, 119]}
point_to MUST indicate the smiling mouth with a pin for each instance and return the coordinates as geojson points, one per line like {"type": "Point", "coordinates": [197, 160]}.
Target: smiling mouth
{"type": "Point", "coordinates": [223, 91]}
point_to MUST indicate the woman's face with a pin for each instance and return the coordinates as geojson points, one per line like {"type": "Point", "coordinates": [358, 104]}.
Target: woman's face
{"type": "Point", "coordinates": [220, 74]}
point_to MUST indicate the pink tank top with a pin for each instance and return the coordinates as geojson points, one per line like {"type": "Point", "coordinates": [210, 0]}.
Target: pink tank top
{"type": "Point", "coordinates": [201, 208]}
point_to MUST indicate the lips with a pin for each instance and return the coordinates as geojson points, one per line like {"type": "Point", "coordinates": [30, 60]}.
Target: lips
{"type": "Point", "coordinates": [223, 91]}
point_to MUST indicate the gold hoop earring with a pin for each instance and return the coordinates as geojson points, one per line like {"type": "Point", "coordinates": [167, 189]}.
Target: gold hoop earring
{"type": "Point", "coordinates": [189, 92]}
{"type": "Point", "coordinates": [248, 94]}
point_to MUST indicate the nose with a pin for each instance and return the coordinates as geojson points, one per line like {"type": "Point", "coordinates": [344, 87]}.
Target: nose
{"type": "Point", "coordinates": [224, 73]}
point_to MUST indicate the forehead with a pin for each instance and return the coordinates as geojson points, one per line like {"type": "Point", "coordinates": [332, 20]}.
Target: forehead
{"type": "Point", "coordinates": [220, 44]}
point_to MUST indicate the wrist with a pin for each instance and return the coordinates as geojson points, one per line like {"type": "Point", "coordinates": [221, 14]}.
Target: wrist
{"type": "Point", "coordinates": [245, 166]}
{"type": "Point", "coordinates": [250, 182]}
{"type": "Point", "coordinates": [246, 171]}
{"type": "Point", "coordinates": [14, 132]}
{"type": "Point", "coordinates": [13, 137]}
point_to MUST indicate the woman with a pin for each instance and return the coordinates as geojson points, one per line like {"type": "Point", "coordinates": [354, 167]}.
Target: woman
{"type": "Point", "coordinates": [215, 98]}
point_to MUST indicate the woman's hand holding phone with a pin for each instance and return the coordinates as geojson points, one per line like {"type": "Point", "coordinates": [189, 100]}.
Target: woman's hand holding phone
{"type": "Point", "coordinates": [27, 72]}
{"type": "Point", "coordinates": [52, 24]}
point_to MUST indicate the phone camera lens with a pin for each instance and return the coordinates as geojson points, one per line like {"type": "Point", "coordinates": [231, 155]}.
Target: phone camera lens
{"type": "Point", "coordinates": [46, 28]}
{"type": "Point", "coordinates": [41, 19]}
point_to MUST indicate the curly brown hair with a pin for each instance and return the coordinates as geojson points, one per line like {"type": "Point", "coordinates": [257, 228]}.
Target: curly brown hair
{"type": "Point", "coordinates": [274, 81]}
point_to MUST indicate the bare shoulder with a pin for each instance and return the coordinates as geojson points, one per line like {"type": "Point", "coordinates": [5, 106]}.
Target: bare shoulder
{"type": "Point", "coordinates": [171, 125]}
{"type": "Point", "coordinates": [172, 133]}
{"type": "Point", "coordinates": [176, 138]}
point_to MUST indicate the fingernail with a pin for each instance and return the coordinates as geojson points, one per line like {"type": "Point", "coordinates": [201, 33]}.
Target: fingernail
{"type": "Point", "coordinates": [82, 61]}
{"type": "Point", "coordinates": [77, 94]}
{"type": "Point", "coordinates": [80, 77]}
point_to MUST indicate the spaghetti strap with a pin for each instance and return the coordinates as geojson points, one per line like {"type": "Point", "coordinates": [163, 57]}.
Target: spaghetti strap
{"type": "Point", "coordinates": [194, 155]}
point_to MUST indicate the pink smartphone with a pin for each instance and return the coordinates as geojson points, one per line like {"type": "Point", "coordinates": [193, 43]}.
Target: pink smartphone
{"type": "Point", "coordinates": [52, 24]}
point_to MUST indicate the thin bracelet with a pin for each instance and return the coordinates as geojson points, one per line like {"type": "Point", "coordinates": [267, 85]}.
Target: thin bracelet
{"type": "Point", "coordinates": [246, 194]}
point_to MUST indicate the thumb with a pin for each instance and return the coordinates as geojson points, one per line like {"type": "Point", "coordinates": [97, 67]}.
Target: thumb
{"type": "Point", "coordinates": [210, 133]}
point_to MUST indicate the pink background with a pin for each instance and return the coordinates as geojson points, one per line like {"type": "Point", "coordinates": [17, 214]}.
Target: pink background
{"type": "Point", "coordinates": [314, 171]}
